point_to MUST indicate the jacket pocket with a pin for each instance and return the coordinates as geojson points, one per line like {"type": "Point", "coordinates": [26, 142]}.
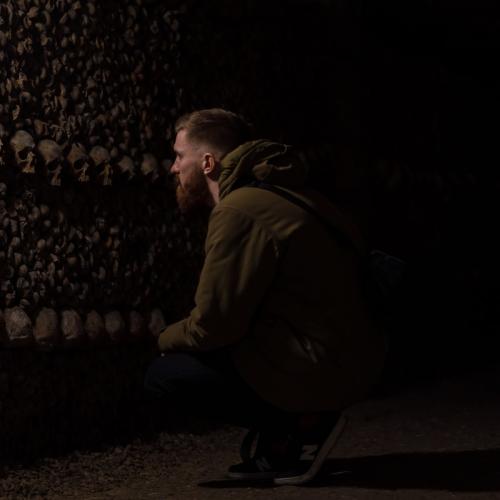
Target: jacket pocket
{"type": "Point", "coordinates": [310, 350]}
{"type": "Point", "coordinates": [285, 349]}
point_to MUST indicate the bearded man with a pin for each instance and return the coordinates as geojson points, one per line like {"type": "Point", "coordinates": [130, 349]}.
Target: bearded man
{"type": "Point", "coordinates": [280, 338]}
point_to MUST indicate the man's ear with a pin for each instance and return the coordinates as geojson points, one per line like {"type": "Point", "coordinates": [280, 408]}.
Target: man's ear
{"type": "Point", "coordinates": [209, 164]}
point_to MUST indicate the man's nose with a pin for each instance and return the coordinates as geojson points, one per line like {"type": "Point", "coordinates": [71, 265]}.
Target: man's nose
{"type": "Point", "coordinates": [174, 169]}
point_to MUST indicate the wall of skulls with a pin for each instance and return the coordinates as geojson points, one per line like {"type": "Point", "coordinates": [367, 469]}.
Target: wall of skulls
{"type": "Point", "coordinates": [79, 265]}
{"type": "Point", "coordinates": [81, 84]}
{"type": "Point", "coordinates": [89, 232]}
{"type": "Point", "coordinates": [94, 257]}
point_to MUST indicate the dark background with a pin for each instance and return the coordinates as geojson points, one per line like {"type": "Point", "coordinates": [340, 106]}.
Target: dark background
{"type": "Point", "coordinates": [397, 105]}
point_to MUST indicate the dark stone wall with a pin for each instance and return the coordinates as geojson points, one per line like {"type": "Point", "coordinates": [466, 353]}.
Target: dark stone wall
{"type": "Point", "coordinates": [87, 102]}
{"type": "Point", "coordinates": [284, 65]}
{"type": "Point", "coordinates": [94, 256]}
{"type": "Point", "coordinates": [87, 75]}
{"type": "Point", "coordinates": [95, 248]}
{"type": "Point", "coordinates": [431, 120]}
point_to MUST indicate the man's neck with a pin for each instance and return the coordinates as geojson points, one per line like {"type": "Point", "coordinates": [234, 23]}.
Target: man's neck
{"type": "Point", "coordinates": [213, 188]}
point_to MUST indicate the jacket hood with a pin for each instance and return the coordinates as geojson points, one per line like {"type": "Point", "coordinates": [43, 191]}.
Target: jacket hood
{"type": "Point", "coordinates": [264, 161]}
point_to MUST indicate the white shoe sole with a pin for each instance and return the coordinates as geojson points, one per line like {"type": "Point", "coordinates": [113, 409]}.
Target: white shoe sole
{"type": "Point", "coordinates": [254, 476]}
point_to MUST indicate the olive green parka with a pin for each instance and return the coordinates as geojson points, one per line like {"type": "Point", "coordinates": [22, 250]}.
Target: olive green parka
{"type": "Point", "coordinates": [278, 291]}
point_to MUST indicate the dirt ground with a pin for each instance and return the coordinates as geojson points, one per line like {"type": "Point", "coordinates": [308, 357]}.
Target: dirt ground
{"type": "Point", "coordinates": [436, 440]}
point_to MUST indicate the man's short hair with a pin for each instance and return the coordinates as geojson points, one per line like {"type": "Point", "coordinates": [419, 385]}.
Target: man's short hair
{"type": "Point", "coordinates": [217, 127]}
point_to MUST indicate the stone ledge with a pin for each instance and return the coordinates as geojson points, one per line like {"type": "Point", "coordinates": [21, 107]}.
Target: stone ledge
{"type": "Point", "coordinates": [68, 328]}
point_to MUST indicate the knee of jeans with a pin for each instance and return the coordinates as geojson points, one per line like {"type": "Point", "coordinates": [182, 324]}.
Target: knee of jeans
{"type": "Point", "coordinates": [151, 383]}
{"type": "Point", "coordinates": [148, 382]}
{"type": "Point", "coordinates": [156, 381]}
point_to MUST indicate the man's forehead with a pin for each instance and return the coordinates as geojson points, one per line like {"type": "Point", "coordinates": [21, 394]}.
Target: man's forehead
{"type": "Point", "coordinates": [182, 141]}
{"type": "Point", "coordinates": [179, 139]}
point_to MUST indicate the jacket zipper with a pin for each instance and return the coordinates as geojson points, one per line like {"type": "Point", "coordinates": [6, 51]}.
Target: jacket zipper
{"type": "Point", "coordinates": [310, 350]}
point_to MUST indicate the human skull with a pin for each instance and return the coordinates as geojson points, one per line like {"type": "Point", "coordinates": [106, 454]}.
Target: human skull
{"type": "Point", "coordinates": [101, 158]}
{"type": "Point", "coordinates": [78, 160]}
{"type": "Point", "coordinates": [23, 145]}
{"type": "Point", "coordinates": [127, 167]}
{"type": "Point", "coordinates": [149, 166]}
{"type": "Point", "coordinates": [39, 18]}
{"type": "Point", "coordinates": [7, 12]}
{"type": "Point", "coordinates": [41, 128]}
{"type": "Point", "coordinates": [2, 134]}
{"type": "Point", "coordinates": [51, 153]}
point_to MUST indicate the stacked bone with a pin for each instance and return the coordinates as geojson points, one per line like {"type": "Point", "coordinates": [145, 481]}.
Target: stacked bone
{"type": "Point", "coordinates": [70, 329]}
{"type": "Point", "coordinates": [78, 251]}
{"type": "Point", "coordinates": [47, 258]}
{"type": "Point", "coordinates": [86, 89]}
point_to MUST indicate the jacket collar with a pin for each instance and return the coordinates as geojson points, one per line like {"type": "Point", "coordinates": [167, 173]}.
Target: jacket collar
{"type": "Point", "coordinates": [264, 161]}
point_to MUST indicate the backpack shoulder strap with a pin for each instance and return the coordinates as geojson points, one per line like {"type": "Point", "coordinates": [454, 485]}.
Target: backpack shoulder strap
{"type": "Point", "coordinates": [331, 228]}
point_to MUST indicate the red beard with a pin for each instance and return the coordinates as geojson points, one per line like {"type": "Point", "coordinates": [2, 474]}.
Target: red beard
{"type": "Point", "coordinates": [194, 195]}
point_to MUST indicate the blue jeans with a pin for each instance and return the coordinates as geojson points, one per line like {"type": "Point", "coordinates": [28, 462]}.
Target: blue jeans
{"type": "Point", "coordinates": [208, 385]}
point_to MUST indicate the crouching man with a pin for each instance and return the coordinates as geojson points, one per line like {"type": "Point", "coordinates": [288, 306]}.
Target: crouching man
{"type": "Point", "coordinates": [280, 339]}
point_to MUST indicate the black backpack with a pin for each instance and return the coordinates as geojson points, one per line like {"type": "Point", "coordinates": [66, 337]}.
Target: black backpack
{"type": "Point", "coordinates": [384, 273]}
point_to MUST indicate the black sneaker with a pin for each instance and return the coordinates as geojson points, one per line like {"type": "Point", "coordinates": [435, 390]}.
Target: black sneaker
{"type": "Point", "coordinates": [289, 460]}
{"type": "Point", "coordinates": [314, 450]}
{"type": "Point", "coordinates": [271, 456]}
{"type": "Point", "coordinates": [256, 469]}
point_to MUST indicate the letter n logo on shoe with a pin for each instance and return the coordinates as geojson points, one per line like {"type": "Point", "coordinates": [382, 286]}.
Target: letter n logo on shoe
{"type": "Point", "coordinates": [309, 451]}
{"type": "Point", "coordinates": [262, 464]}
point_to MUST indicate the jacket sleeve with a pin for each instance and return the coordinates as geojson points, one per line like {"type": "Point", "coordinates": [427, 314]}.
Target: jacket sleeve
{"type": "Point", "coordinates": [240, 263]}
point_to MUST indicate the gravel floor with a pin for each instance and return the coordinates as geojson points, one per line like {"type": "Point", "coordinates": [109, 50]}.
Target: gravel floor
{"type": "Point", "coordinates": [435, 440]}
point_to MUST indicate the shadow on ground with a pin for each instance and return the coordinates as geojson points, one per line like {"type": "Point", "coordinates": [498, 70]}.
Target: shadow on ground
{"type": "Point", "coordinates": [456, 471]}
